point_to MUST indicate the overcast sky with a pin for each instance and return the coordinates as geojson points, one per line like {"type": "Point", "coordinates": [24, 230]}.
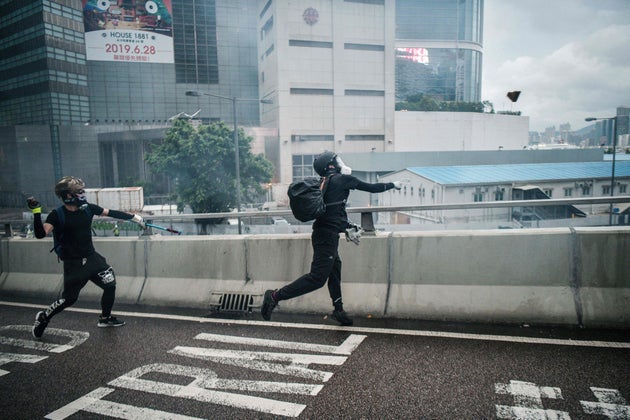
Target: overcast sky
{"type": "Point", "coordinates": [569, 58]}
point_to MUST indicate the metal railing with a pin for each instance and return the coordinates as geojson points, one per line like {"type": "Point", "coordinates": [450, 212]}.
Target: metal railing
{"type": "Point", "coordinates": [367, 219]}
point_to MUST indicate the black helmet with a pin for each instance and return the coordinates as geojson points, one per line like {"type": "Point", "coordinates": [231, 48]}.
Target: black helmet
{"type": "Point", "coordinates": [321, 162]}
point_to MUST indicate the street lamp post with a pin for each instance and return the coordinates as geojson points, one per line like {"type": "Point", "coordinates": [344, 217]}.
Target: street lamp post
{"type": "Point", "coordinates": [614, 154]}
{"type": "Point", "coordinates": [236, 151]}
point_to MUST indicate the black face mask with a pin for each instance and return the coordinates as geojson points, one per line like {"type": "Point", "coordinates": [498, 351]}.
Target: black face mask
{"type": "Point", "coordinates": [77, 199]}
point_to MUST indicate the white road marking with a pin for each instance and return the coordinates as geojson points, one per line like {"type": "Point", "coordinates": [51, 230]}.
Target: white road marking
{"type": "Point", "coordinates": [261, 361]}
{"type": "Point", "coordinates": [610, 403]}
{"type": "Point", "coordinates": [527, 394]}
{"type": "Point", "coordinates": [18, 358]}
{"type": "Point", "coordinates": [93, 403]}
{"type": "Point", "coordinates": [293, 358]}
{"type": "Point", "coordinates": [198, 389]}
{"type": "Point", "coordinates": [367, 330]}
{"type": "Point", "coordinates": [208, 379]}
{"type": "Point", "coordinates": [76, 338]}
{"type": "Point", "coordinates": [524, 413]}
{"type": "Point", "coordinates": [528, 401]}
{"type": "Point", "coordinates": [347, 347]}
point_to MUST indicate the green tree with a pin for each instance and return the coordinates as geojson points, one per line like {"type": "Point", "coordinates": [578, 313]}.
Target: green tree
{"type": "Point", "coordinates": [201, 163]}
{"type": "Point", "coordinates": [422, 102]}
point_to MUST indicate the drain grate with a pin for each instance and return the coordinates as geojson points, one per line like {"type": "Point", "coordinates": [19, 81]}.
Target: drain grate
{"type": "Point", "coordinates": [233, 301]}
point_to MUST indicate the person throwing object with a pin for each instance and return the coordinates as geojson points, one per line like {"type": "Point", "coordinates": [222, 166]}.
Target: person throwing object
{"type": "Point", "coordinates": [71, 225]}
{"type": "Point", "coordinates": [326, 264]}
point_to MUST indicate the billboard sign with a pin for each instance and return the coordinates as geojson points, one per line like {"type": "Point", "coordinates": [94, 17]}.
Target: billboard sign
{"type": "Point", "coordinates": [137, 31]}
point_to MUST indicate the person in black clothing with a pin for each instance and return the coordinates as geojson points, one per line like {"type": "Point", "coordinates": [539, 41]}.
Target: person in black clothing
{"type": "Point", "coordinates": [326, 264]}
{"type": "Point", "coordinates": [81, 262]}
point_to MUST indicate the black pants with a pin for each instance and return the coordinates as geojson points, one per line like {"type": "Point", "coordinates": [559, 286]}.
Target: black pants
{"type": "Point", "coordinates": [326, 266]}
{"type": "Point", "coordinates": [76, 274]}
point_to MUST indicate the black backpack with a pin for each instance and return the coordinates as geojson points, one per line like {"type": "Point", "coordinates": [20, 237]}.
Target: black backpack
{"type": "Point", "coordinates": [58, 231]}
{"type": "Point", "coordinates": [306, 198]}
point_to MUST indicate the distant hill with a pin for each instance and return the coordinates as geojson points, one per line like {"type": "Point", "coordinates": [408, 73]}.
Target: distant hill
{"type": "Point", "coordinates": [586, 130]}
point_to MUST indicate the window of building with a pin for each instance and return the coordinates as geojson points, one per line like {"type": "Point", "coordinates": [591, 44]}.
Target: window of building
{"type": "Point", "coordinates": [363, 47]}
{"type": "Point", "coordinates": [312, 137]}
{"type": "Point", "coordinates": [307, 91]}
{"type": "Point", "coordinates": [439, 20]}
{"type": "Point", "coordinates": [195, 42]}
{"type": "Point", "coordinates": [568, 192]}
{"type": "Point", "coordinates": [309, 44]}
{"type": "Point", "coordinates": [303, 167]}
{"type": "Point", "coordinates": [606, 190]}
{"type": "Point", "coordinates": [438, 73]}
{"type": "Point", "coordinates": [362, 92]}
{"type": "Point", "coordinates": [499, 194]}
{"type": "Point", "coordinates": [623, 188]}
{"type": "Point", "coordinates": [264, 9]}
{"type": "Point", "coordinates": [478, 195]}
{"type": "Point", "coordinates": [586, 190]}
{"type": "Point", "coordinates": [377, 137]}
{"type": "Point", "coordinates": [266, 28]}
{"type": "Point", "coordinates": [549, 192]}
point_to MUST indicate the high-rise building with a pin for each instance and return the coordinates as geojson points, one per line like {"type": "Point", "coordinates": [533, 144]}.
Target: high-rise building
{"type": "Point", "coordinates": [439, 49]}
{"type": "Point", "coordinates": [86, 85]}
{"type": "Point", "coordinates": [335, 69]}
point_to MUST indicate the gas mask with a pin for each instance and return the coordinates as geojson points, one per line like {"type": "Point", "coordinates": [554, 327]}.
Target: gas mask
{"type": "Point", "coordinates": [76, 198]}
{"type": "Point", "coordinates": [71, 191]}
{"type": "Point", "coordinates": [343, 168]}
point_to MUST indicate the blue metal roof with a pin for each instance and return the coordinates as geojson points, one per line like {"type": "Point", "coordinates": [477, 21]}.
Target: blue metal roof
{"type": "Point", "coordinates": [528, 172]}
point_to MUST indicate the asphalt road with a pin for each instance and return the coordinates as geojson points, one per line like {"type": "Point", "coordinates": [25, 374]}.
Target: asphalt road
{"type": "Point", "coordinates": [183, 364]}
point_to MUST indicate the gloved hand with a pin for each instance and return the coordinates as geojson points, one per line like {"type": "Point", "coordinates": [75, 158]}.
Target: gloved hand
{"type": "Point", "coordinates": [139, 220]}
{"type": "Point", "coordinates": [353, 233]}
{"type": "Point", "coordinates": [34, 205]}
{"type": "Point", "coordinates": [397, 184]}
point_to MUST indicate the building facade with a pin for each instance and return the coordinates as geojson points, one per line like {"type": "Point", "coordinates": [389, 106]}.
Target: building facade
{"type": "Point", "coordinates": [85, 85]}
{"type": "Point", "coordinates": [88, 85]}
{"type": "Point", "coordinates": [439, 49]}
{"type": "Point", "coordinates": [335, 70]}
{"type": "Point", "coordinates": [486, 183]}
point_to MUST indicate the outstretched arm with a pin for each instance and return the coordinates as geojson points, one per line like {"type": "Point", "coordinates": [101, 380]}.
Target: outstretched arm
{"type": "Point", "coordinates": [117, 214]}
{"type": "Point", "coordinates": [378, 186]}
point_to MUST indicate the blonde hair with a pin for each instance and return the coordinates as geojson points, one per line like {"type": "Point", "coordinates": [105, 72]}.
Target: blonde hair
{"type": "Point", "coordinates": [68, 184]}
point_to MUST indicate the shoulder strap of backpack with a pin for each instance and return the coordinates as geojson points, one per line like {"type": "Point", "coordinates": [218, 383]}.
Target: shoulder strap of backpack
{"type": "Point", "coordinates": [61, 216]}
{"type": "Point", "coordinates": [58, 231]}
{"type": "Point", "coordinates": [325, 186]}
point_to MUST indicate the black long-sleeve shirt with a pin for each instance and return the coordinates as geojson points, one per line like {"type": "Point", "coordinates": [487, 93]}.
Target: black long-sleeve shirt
{"type": "Point", "coordinates": [76, 231]}
{"type": "Point", "coordinates": [338, 190]}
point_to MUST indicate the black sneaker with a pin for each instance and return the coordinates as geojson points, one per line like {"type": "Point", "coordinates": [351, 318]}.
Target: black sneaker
{"type": "Point", "coordinates": [109, 321]}
{"type": "Point", "coordinates": [40, 324]}
{"type": "Point", "coordinates": [342, 317]}
{"type": "Point", "coordinates": [269, 303]}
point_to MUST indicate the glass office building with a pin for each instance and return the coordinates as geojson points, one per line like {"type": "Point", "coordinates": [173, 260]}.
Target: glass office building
{"type": "Point", "coordinates": [85, 85]}
{"type": "Point", "coordinates": [56, 68]}
{"type": "Point", "coordinates": [439, 49]}
{"type": "Point", "coordinates": [43, 73]}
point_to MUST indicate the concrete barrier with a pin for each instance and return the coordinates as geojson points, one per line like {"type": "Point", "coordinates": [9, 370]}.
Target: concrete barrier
{"type": "Point", "coordinates": [561, 276]}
